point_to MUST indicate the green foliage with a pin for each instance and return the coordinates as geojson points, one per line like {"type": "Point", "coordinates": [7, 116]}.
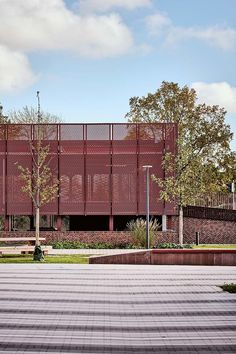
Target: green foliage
{"type": "Point", "coordinates": [210, 246]}
{"type": "Point", "coordinates": [230, 287]}
{"type": "Point", "coordinates": [138, 230]}
{"type": "Point", "coordinates": [204, 162]}
{"type": "Point", "coordinates": [173, 245]}
{"type": "Point", "coordinates": [82, 245]}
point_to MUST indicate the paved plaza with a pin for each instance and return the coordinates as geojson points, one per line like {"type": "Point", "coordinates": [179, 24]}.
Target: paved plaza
{"type": "Point", "coordinates": [61, 308]}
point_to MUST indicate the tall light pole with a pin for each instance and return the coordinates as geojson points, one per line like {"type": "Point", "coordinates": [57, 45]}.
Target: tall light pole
{"type": "Point", "coordinates": [147, 168]}
{"type": "Point", "coordinates": [233, 191]}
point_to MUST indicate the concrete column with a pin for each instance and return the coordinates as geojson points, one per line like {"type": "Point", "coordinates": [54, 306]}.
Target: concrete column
{"type": "Point", "coordinates": [164, 223]}
{"type": "Point", "coordinates": [111, 223]}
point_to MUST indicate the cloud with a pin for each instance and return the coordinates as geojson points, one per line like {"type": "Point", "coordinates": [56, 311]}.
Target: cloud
{"type": "Point", "coordinates": [15, 71]}
{"type": "Point", "coordinates": [221, 37]}
{"type": "Point", "coordinates": [224, 38]}
{"type": "Point", "coordinates": [157, 22]}
{"type": "Point", "coordinates": [29, 25]}
{"type": "Point", "coordinates": [218, 93]}
{"type": "Point", "coordinates": [106, 5]}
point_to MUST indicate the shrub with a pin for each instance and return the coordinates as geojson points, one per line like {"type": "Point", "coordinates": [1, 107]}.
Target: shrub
{"type": "Point", "coordinates": [92, 245]}
{"type": "Point", "coordinates": [230, 287]}
{"type": "Point", "coordinates": [138, 229]}
{"type": "Point", "coordinates": [173, 245]}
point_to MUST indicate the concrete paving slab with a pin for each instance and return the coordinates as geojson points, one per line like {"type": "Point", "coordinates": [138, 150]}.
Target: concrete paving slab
{"type": "Point", "coordinates": [116, 309]}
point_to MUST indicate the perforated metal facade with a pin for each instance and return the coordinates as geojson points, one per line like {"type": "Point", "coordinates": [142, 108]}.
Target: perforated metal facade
{"type": "Point", "coordinates": [99, 165]}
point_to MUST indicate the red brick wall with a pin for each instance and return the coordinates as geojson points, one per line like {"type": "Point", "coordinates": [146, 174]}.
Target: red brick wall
{"type": "Point", "coordinates": [181, 257]}
{"type": "Point", "coordinates": [111, 237]}
{"type": "Point", "coordinates": [211, 231]}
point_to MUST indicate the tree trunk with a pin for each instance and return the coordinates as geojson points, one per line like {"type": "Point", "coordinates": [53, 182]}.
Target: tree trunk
{"type": "Point", "coordinates": [181, 225]}
{"type": "Point", "coordinates": [38, 253]}
{"type": "Point", "coordinates": [37, 242]}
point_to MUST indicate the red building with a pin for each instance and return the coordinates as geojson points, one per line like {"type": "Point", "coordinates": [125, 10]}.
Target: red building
{"type": "Point", "coordinates": [100, 167]}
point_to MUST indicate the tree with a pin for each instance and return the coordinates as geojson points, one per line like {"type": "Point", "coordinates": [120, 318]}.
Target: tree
{"type": "Point", "coordinates": [203, 162]}
{"type": "Point", "coordinates": [38, 181]}
{"type": "Point", "coordinates": [29, 115]}
{"type": "Point", "coordinates": [39, 184]}
{"type": "Point", "coordinates": [3, 119]}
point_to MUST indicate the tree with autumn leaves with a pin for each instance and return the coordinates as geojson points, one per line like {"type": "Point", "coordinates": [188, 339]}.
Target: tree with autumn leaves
{"type": "Point", "coordinates": [39, 182]}
{"type": "Point", "coordinates": [204, 161]}
{"type": "Point", "coordinates": [39, 185]}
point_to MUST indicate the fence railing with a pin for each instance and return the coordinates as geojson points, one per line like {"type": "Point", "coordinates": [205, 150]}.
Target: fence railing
{"type": "Point", "coordinates": [216, 200]}
{"type": "Point", "coordinates": [209, 213]}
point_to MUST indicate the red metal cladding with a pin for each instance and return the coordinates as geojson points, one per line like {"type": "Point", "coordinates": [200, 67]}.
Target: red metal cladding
{"type": "Point", "coordinates": [18, 203]}
{"type": "Point", "coordinates": [71, 196]}
{"type": "Point", "coordinates": [2, 183]}
{"type": "Point", "coordinates": [124, 184]}
{"type": "Point", "coordinates": [100, 167]}
{"type": "Point", "coordinates": [2, 169]}
{"type": "Point", "coordinates": [52, 206]}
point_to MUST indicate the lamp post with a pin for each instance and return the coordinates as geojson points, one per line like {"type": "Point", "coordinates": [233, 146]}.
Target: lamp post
{"type": "Point", "coordinates": [233, 191]}
{"type": "Point", "coordinates": [147, 167]}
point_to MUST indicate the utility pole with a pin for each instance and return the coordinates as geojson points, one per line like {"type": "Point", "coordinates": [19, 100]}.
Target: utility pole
{"type": "Point", "coordinates": [147, 167]}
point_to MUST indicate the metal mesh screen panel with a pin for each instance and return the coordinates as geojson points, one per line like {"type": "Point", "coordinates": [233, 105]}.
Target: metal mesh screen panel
{"type": "Point", "coordinates": [2, 169]}
{"type": "Point", "coordinates": [124, 186]}
{"type": "Point", "coordinates": [18, 203]}
{"type": "Point", "coordinates": [156, 205]}
{"type": "Point", "coordinates": [19, 132]}
{"type": "Point", "coordinates": [72, 132]}
{"type": "Point", "coordinates": [52, 207]}
{"type": "Point", "coordinates": [71, 140]}
{"type": "Point", "coordinates": [2, 181]}
{"type": "Point", "coordinates": [45, 132]}
{"type": "Point", "coordinates": [72, 184]}
{"type": "Point", "coordinates": [100, 166]}
{"type": "Point", "coordinates": [124, 132]}
{"type": "Point", "coordinates": [98, 132]}
{"type": "Point", "coordinates": [151, 138]}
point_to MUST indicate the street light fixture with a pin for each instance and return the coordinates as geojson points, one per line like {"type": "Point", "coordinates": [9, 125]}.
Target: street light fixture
{"type": "Point", "coordinates": [147, 168]}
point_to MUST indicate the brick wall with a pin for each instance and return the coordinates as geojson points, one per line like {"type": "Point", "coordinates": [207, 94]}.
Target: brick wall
{"type": "Point", "coordinates": [211, 231]}
{"type": "Point", "coordinates": [111, 237]}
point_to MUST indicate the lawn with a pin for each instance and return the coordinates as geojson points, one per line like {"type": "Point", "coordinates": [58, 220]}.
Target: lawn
{"type": "Point", "coordinates": [75, 258]}
{"type": "Point", "coordinates": [203, 246]}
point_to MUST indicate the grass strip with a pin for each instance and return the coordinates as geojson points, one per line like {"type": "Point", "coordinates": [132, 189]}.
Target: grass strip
{"type": "Point", "coordinates": [75, 258]}
{"type": "Point", "coordinates": [225, 246]}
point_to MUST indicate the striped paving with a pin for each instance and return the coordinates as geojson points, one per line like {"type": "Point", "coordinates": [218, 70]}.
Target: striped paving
{"type": "Point", "coordinates": [61, 308]}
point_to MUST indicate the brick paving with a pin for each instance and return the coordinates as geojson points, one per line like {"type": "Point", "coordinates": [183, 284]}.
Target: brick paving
{"type": "Point", "coordinates": [70, 308]}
